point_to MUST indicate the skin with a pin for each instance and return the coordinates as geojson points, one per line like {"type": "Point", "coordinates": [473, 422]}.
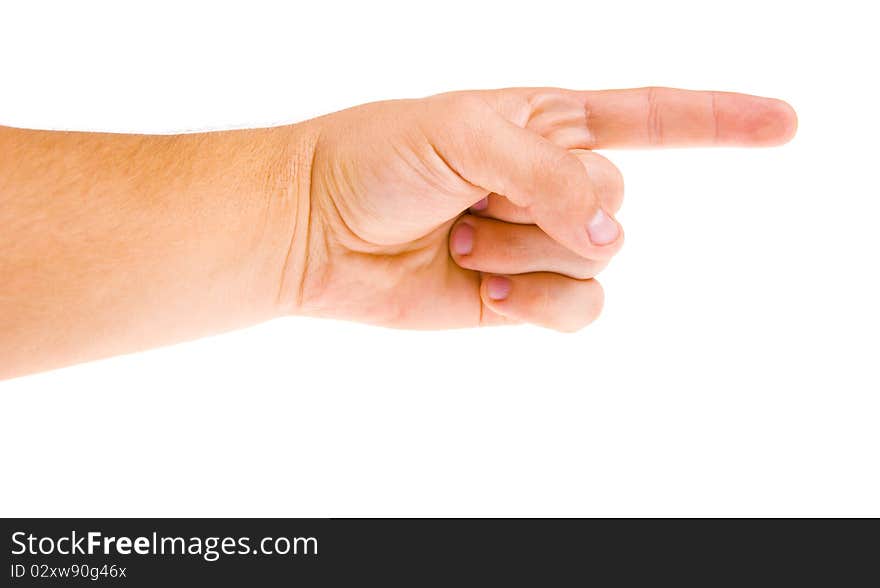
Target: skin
{"type": "Point", "coordinates": [458, 210]}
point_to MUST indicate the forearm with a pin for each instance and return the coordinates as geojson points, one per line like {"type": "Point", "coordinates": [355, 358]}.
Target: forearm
{"type": "Point", "coordinates": [113, 243]}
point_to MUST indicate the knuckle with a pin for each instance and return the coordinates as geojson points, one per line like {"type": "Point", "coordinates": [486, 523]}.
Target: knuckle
{"type": "Point", "coordinates": [590, 306]}
{"type": "Point", "coordinates": [605, 177]}
{"type": "Point", "coordinates": [561, 171]}
{"type": "Point", "coordinates": [540, 301]}
{"type": "Point", "coordinates": [465, 104]}
{"type": "Point", "coordinates": [562, 163]}
{"type": "Point", "coordinates": [513, 243]}
{"type": "Point", "coordinates": [458, 110]}
{"type": "Point", "coordinates": [566, 310]}
{"type": "Point", "coordinates": [505, 241]}
{"type": "Point", "coordinates": [608, 174]}
{"type": "Point", "coordinates": [594, 302]}
{"type": "Point", "coordinates": [615, 188]}
{"type": "Point", "coordinates": [615, 178]}
{"type": "Point", "coordinates": [654, 118]}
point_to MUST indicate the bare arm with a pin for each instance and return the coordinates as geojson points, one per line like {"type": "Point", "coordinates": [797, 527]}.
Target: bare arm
{"type": "Point", "coordinates": [112, 243]}
{"type": "Point", "coordinates": [465, 209]}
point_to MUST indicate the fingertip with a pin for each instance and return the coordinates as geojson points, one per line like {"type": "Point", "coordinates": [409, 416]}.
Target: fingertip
{"type": "Point", "coordinates": [778, 123]}
{"type": "Point", "coordinates": [495, 292]}
{"type": "Point", "coordinates": [497, 288]}
{"type": "Point", "coordinates": [767, 122]}
{"type": "Point", "coordinates": [602, 237]}
{"type": "Point", "coordinates": [789, 119]}
{"type": "Point", "coordinates": [461, 239]}
{"type": "Point", "coordinates": [603, 229]}
{"type": "Point", "coordinates": [591, 307]}
{"type": "Point", "coordinates": [598, 298]}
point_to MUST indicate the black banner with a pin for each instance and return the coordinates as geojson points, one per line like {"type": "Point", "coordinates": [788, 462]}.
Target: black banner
{"type": "Point", "coordinates": [412, 552]}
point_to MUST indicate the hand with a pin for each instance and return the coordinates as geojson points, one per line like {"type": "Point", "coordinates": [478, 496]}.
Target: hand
{"type": "Point", "coordinates": [384, 239]}
{"type": "Point", "coordinates": [114, 243]}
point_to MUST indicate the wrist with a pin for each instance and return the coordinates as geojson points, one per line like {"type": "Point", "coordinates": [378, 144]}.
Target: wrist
{"type": "Point", "coordinates": [291, 203]}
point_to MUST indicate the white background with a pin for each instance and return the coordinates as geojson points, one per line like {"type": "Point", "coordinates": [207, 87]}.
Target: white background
{"type": "Point", "coordinates": [734, 371]}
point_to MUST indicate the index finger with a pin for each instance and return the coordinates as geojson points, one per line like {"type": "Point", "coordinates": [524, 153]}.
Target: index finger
{"type": "Point", "coordinates": [667, 117]}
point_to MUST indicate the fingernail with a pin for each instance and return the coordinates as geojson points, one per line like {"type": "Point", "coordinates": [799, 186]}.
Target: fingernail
{"type": "Point", "coordinates": [602, 229]}
{"type": "Point", "coordinates": [481, 205]}
{"type": "Point", "coordinates": [462, 239]}
{"type": "Point", "coordinates": [498, 287]}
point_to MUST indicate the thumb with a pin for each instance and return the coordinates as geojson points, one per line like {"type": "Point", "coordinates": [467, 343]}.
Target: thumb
{"type": "Point", "coordinates": [550, 182]}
